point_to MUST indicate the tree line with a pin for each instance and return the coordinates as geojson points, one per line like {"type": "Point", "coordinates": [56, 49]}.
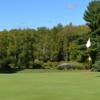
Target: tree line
{"type": "Point", "coordinates": [39, 48]}
{"type": "Point", "coordinates": [21, 48]}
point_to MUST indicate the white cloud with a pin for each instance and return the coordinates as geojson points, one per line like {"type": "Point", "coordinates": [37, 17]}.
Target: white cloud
{"type": "Point", "coordinates": [71, 6]}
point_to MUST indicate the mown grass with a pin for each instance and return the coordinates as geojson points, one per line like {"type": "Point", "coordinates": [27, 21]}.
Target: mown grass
{"type": "Point", "coordinates": [50, 86]}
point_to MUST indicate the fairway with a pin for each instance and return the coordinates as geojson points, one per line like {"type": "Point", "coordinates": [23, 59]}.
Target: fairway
{"type": "Point", "coordinates": [50, 86]}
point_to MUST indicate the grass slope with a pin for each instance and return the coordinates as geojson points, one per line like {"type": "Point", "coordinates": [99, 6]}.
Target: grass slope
{"type": "Point", "coordinates": [50, 86]}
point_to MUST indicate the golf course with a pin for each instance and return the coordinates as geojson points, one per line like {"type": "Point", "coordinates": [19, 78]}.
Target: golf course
{"type": "Point", "coordinates": [61, 85]}
{"type": "Point", "coordinates": [49, 49]}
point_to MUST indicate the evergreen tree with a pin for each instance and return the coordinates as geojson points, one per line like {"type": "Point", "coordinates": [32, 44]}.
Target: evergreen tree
{"type": "Point", "coordinates": [92, 15]}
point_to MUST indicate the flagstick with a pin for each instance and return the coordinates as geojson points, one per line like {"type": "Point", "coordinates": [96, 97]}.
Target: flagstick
{"type": "Point", "coordinates": [90, 61]}
{"type": "Point", "coordinates": [88, 45]}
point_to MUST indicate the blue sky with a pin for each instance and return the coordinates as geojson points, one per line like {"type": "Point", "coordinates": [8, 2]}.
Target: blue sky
{"type": "Point", "coordinates": [37, 13]}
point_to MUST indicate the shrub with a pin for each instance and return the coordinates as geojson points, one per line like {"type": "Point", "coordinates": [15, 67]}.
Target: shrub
{"type": "Point", "coordinates": [50, 65]}
{"type": "Point", "coordinates": [96, 66]}
{"type": "Point", "coordinates": [31, 64]}
{"type": "Point", "coordinates": [37, 64]}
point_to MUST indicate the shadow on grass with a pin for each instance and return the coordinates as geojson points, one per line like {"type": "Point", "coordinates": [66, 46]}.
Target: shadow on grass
{"type": "Point", "coordinates": [7, 70]}
{"type": "Point", "coordinates": [98, 76]}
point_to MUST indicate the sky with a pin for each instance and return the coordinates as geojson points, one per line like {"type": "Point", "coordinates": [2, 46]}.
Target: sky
{"type": "Point", "coordinates": [38, 13]}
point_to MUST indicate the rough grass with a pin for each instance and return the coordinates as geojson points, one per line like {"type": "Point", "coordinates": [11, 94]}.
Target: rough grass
{"type": "Point", "coordinates": [50, 86]}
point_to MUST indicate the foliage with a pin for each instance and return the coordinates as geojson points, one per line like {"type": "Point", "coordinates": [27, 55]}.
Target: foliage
{"type": "Point", "coordinates": [45, 48]}
{"type": "Point", "coordinates": [37, 64]}
{"type": "Point", "coordinates": [30, 48]}
{"type": "Point", "coordinates": [50, 65]}
{"type": "Point", "coordinates": [96, 66]}
{"type": "Point", "coordinates": [92, 15]}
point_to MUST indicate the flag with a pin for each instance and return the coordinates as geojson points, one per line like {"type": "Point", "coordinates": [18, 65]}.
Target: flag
{"type": "Point", "coordinates": [88, 44]}
{"type": "Point", "coordinates": [90, 59]}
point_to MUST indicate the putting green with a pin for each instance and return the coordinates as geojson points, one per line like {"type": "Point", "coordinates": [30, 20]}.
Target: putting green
{"type": "Point", "coordinates": [50, 86]}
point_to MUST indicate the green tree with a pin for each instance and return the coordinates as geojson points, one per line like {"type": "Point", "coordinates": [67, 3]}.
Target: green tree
{"type": "Point", "coordinates": [92, 15]}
